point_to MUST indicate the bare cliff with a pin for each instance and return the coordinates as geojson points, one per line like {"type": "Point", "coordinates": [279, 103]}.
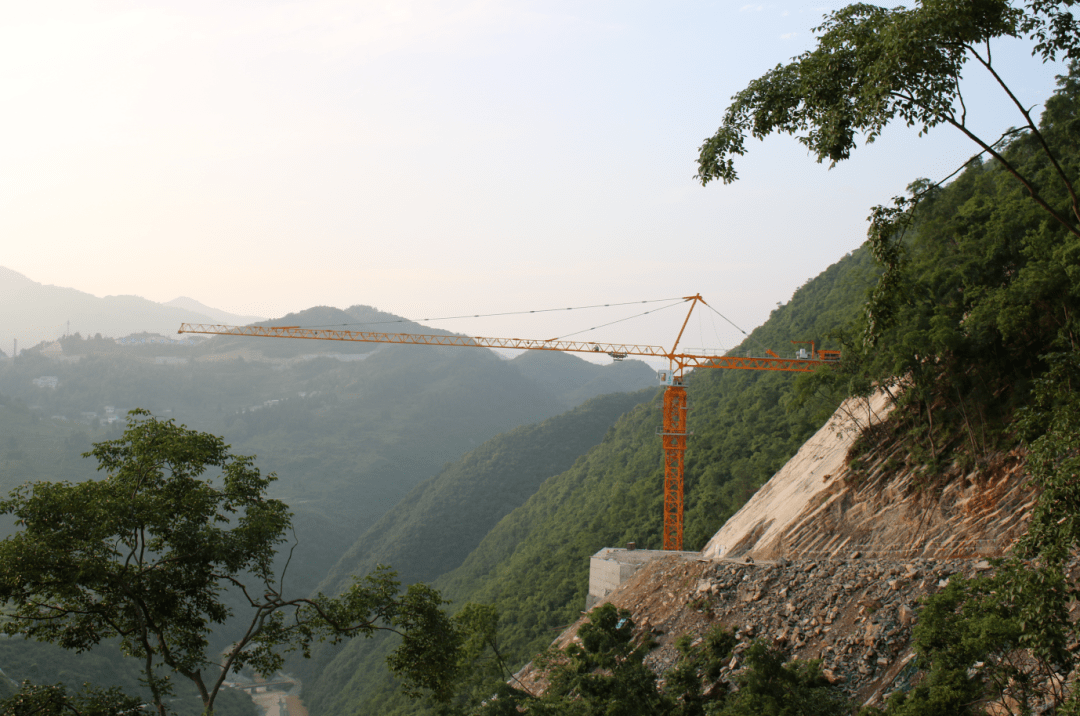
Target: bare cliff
{"type": "Point", "coordinates": [816, 508]}
{"type": "Point", "coordinates": [828, 563]}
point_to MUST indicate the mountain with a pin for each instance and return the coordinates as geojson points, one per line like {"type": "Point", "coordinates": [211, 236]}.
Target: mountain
{"type": "Point", "coordinates": [562, 374]}
{"type": "Point", "coordinates": [219, 316]}
{"type": "Point", "coordinates": [31, 312]}
{"type": "Point", "coordinates": [468, 497]}
{"type": "Point", "coordinates": [858, 549]}
{"type": "Point", "coordinates": [348, 434]}
{"type": "Point", "coordinates": [533, 564]}
{"type": "Point", "coordinates": [971, 336]}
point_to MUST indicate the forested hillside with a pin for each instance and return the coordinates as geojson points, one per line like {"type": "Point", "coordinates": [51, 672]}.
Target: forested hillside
{"type": "Point", "coordinates": [972, 328]}
{"type": "Point", "coordinates": [533, 566]}
{"type": "Point", "coordinates": [984, 280]}
{"type": "Point", "coordinates": [102, 666]}
{"type": "Point", "coordinates": [435, 527]}
{"type": "Point", "coordinates": [348, 438]}
{"type": "Point", "coordinates": [35, 448]}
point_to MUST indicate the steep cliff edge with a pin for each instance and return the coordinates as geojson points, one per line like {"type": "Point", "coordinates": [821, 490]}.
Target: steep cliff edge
{"type": "Point", "coordinates": [815, 507]}
{"type": "Point", "coordinates": [829, 564]}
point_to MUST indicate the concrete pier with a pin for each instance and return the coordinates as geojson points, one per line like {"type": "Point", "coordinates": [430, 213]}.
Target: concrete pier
{"type": "Point", "coordinates": [612, 566]}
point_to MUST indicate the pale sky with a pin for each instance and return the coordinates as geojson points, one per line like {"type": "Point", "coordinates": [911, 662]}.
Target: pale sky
{"type": "Point", "coordinates": [429, 157]}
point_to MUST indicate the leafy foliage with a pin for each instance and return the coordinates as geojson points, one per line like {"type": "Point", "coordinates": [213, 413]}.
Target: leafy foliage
{"type": "Point", "coordinates": [603, 672]}
{"type": "Point", "coordinates": [997, 641]}
{"type": "Point", "coordinates": [770, 687]}
{"type": "Point", "coordinates": [533, 565]}
{"type": "Point", "coordinates": [145, 555]}
{"type": "Point", "coordinates": [106, 667]}
{"type": "Point", "coordinates": [978, 286]}
{"type": "Point", "coordinates": [873, 66]}
{"type": "Point", "coordinates": [1005, 640]}
{"type": "Point", "coordinates": [33, 700]}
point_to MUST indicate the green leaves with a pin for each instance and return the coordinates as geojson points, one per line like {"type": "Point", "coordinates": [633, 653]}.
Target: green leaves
{"type": "Point", "coordinates": [873, 66]}
{"type": "Point", "coordinates": [999, 640]}
{"type": "Point", "coordinates": [770, 687]}
{"type": "Point", "coordinates": [604, 674]}
{"type": "Point", "coordinates": [147, 555]}
{"type": "Point", "coordinates": [55, 700]}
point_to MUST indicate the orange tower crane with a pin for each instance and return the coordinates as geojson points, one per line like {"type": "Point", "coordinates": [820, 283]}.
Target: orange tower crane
{"type": "Point", "coordinates": [673, 432]}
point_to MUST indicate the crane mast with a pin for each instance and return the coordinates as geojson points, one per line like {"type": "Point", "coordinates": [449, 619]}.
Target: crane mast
{"type": "Point", "coordinates": [674, 429]}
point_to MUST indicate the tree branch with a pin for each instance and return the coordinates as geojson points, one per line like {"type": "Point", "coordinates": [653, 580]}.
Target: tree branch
{"type": "Point", "coordinates": [989, 149]}
{"type": "Point", "coordinates": [1034, 130]}
{"type": "Point", "coordinates": [960, 96]}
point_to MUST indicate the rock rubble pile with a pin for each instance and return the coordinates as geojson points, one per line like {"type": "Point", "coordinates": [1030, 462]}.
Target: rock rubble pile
{"type": "Point", "coordinates": [855, 614]}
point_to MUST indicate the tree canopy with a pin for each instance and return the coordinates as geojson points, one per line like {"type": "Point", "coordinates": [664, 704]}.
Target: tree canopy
{"type": "Point", "coordinates": [149, 554]}
{"type": "Point", "coordinates": [873, 66]}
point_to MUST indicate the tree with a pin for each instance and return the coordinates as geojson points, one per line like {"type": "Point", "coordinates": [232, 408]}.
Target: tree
{"type": "Point", "coordinates": [36, 700]}
{"type": "Point", "coordinates": [873, 66]}
{"type": "Point", "coordinates": [770, 687]}
{"type": "Point", "coordinates": [148, 554]}
{"type": "Point", "coordinates": [604, 673]}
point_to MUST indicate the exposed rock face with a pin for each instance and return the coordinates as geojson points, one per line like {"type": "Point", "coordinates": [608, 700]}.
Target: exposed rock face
{"type": "Point", "coordinates": [891, 518]}
{"type": "Point", "coordinates": [814, 509]}
{"type": "Point", "coordinates": [855, 615]}
{"type": "Point", "coordinates": [806, 482]}
{"type": "Point", "coordinates": [828, 566]}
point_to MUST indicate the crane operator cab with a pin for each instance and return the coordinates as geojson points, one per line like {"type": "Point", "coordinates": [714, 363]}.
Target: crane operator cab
{"type": "Point", "coordinates": [668, 377]}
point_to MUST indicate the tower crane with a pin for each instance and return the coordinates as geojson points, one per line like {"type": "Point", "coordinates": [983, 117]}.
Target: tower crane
{"type": "Point", "coordinates": [673, 431]}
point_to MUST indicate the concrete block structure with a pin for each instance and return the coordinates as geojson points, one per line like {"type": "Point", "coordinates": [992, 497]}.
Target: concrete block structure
{"type": "Point", "coordinates": [612, 566]}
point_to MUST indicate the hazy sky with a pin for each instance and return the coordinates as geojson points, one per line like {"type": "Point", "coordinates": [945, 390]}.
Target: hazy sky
{"type": "Point", "coordinates": [428, 158]}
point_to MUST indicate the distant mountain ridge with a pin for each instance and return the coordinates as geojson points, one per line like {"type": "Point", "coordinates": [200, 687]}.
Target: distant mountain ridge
{"type": "Point", "coordinates": [231, 319]}
{"type": "Point", "coordinates": [32, 312]}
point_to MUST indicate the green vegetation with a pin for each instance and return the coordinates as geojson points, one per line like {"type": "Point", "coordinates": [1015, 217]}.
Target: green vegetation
{"type": "Point", "coordinates": [104, 667]}
{"type": "Point", "coordinates": [873, 66]}
{"type": "Point", "coordinates": [55, 700]}
{"type": "Point", "coordinates": [978, 277]}
{"type": "Point", "coordinates": [974, 311]}
{"type": "Point", "coordinates": [34, 448]}
{"type": "Point", "coordinates": [981, 288]}
{"type": "Point", "coordinates": [349, 438]}
{"type": "Point", "coordinates": [145, 556]}
{"type": "Point", "coordinates": [1006, 639]}
{"type": "Point", "coordinates": [533, 565]}
{"type": "Point", "coordinates": [973, 325]}
{"type": "Point", "coordinates": [435, 527]}
{"type": "Point", "coordinates": [603, 672]}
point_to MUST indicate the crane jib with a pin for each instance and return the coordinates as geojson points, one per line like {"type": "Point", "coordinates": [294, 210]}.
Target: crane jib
{"type": "Point", "coordinates": [682, 360]}
{"type": "Point", "coordinates": [675, 407]}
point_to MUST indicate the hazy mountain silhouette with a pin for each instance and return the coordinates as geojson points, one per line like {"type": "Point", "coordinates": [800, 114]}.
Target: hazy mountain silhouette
{"type": "Point", "coordinates": [33, 312]}
{"type": "Point", "coordinates": [219, 316]}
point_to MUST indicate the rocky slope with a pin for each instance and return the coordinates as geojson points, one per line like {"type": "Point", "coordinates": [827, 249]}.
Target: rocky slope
{"type": "Point", "coordinates": [829, 566]}
{"type": "Point", "coordinates": [854, 614]}
{"type": "Point", "coordinates": [815, 507]}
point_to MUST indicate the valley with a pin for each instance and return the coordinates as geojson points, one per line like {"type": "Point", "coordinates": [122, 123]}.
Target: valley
{"type": "Point", "coordinates": [894, 530]}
